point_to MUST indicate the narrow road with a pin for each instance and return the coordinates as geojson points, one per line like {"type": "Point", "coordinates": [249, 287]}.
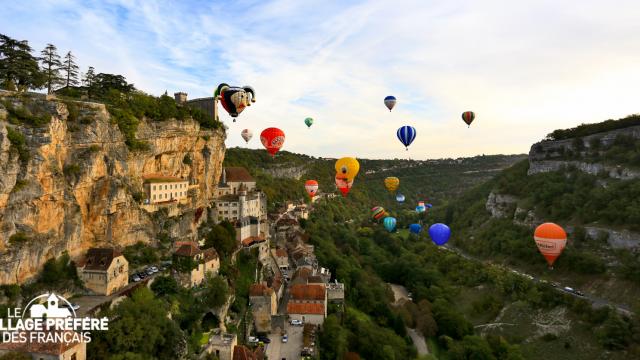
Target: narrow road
{"type": "Point", "coordinates": [400, 294]}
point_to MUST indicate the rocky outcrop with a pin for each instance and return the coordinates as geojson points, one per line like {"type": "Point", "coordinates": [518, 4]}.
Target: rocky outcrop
{"type": "Point", "coordinates": [616, 239]}
{"type": "Point", "coordinates": [290, 172]}
{"type": "Point", "coordinates": [81, 186]}
{"type": "Point", "coordinates": [615, 172]}
{"type": "Point", "coordinates": [501, 205]}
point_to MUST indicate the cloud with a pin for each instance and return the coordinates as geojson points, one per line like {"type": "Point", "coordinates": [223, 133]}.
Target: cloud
{"type": "Point", "coordinates": [525, 68]}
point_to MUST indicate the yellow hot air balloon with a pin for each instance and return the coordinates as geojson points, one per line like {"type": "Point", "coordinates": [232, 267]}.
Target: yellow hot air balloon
{"type": "Point", "coordinates": [392, 183]}
{"type": "Point", "coordinates": [347, 168]}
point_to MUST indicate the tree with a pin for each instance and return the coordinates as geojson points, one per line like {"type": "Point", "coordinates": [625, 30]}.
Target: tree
{"type": "Point", "coordinates": [165, 285]}
{"type": "Point", "coordinates": [18, 66]}
{"type": "Point", "coordinates": [215, 294]}
{"type": "Point", "coordinates": [51, 67]}
{"type": "Point", "coordinates": [333, 339]}
{"type": "Point", "coordinates": [89, 77]}
{"type": "Point", "coordinates": [71, 70]}
{"type": "Point", "coordinates": [102, 83]}
{"type": "Point", "coordinates": [220, 239]}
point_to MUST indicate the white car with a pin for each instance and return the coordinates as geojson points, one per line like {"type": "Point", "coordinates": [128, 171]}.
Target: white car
{"type": "Point", "coordinates": [296, 322]}
{"type": "Point", "coordinates": [253, 340]}
{"type": "Point", "coordinates": [285, 338]}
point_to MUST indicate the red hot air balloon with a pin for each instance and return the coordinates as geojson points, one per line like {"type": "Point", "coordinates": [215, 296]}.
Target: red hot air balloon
{"type": "Point", "coordinates": [344, 185]}
{"type": "Point", "coordinates": [272, 139]}
{"type": "Point", "coordinates": [312, 188]}
{"type": "Point", "coordinates": [550, 239]}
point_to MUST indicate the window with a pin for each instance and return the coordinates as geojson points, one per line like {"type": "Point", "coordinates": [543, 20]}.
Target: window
{"type": "Point", "coordinates": [154, 197]}
{"type": "Point", "coordinates": [154, 187]}
{"type": "Point", "coordinates": [73, 356]}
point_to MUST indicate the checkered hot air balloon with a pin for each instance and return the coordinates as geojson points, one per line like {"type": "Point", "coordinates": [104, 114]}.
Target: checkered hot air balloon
{"type": "Point", "coordinates": [406, 135]}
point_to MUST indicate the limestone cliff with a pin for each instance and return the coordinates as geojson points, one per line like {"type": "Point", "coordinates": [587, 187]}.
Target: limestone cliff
{"type": "Point", "coordinates": [80, 186]}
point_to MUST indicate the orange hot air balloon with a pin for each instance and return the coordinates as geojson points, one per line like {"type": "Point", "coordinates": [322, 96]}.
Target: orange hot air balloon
{"type": "Point", "coordinates": [550, 239]}
{"type": "Point", "coordinates": [272, 139]}
{"type": "Point", "coordinates": [312, 188]}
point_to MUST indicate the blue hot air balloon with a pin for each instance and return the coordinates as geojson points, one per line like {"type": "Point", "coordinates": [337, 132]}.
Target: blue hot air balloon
{"type": "Point", "coordinates": [429, 206]}
{"type": "Point", "coordinates": [389, 223]}
{"type": "Point", "coordinates": [439, 233]}
{"type": "Point", "coordinates": [400, 198]}
{"type": "Point", "coordinates": [420, 209]}
{"type": "Point", "coordinates": [415, 228]}
{"type": "Point", "coordinates": [390, 102]}
{"type": "Point", "coordinates": [406, 135]}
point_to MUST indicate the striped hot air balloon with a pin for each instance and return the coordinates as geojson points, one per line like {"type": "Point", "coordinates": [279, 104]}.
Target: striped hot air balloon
{"type": "Point", "coordinates": [406, 135]}
{"type": "Point", "coordinates": [392, 183]}
{"type": "Point", "coordinates": [312, 188]}
{"type": "Point", "coordinates": [468, 117]}
{"type": "Point", "coordinates": [390, 102]}
{"type": "Point", "coordinates": [389, 223]}
{"type": "Point", "coordinates": [377, 212]}
{"type": "Point", "coordinates": [550, 240]}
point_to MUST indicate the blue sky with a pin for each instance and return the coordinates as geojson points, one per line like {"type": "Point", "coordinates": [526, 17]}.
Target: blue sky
{"type": "Point", "coordinates": [525, 67]}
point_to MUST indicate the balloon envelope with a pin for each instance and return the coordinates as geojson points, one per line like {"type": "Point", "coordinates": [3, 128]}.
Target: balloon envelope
{"type": "Point", "coordinates": [468, 117]}
{"type": "Point", "coordinates": [308, 121]}
{"type": "Point", "coordinates": [390, 102]}
{"type": "Point", "coordinates": [550, 239]}
{"type": "Point", "coordinates": [344, 185]}
{"type": "Point", "coordinates": [347, 167]}
{"type": "Point", "coordinates": [377, 212]}
{"type": "Point", "coordinates": [311, 186]}
{"type": "Point", "coordinates": [400, 198]}
{"type": "Point", "coordinates": [406, 134]}
{"type": "Point", "coordinates": [234, 98]}
{"type": "Point", "coordinates": [392, 183]}
{"type": "Point", "coordinates": [246, 135]}
{"type": "Point", "coordinates": [272, 139]}
{"type": "Point", "coordinates": [415, 228]}
{"type": "Point", "coordinates": [420, 208]}
{"type": "Point", "coordinates": [389, 223]}
{"type": "Point", "coordinates": [429, 206]}
{"type": "Point", "coordinates": [439, 233]}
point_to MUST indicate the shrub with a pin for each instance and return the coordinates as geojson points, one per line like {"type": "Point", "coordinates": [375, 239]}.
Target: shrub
{"type": "Point", "coordinates": [187, 160]}
{"type": "Point", "coordinates": [18, 238]}
{"type": "Point", "coordinates": [71, 170]}
{"type": "Point", "coordinates": [18, 141]}
{"type": "Point", "coordinates": [74, 113]}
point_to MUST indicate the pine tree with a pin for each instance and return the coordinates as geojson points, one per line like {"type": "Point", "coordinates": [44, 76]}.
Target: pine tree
{"type": "Point", "coordinates": [71, 69]}
{"type": "Point", "coordinates": [89, 77]}
{"type": "Point", "coordinates": [18, 66]}
{"type": "Point", "coordinates": [51, 67]}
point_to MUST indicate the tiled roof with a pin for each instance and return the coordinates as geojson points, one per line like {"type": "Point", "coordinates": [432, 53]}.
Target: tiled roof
{"type": "Point", "coordinates": [252, 240]}
{"type": "Point", "coordinates": [237, 174]}
{"type": "Point", "coordinates": [210, 254]}
{"type": "Point", "coordinates": [100, 258]}
{"type": "Point", "coordinates": [188, 249]}
{"type": "Point", "coordinates": [315, 280]}
{"type": "Point", "coordinates": [157, 177]}
{"type": "Point", "coordinates": [305, 308]}
{"type": "Point", "coordinates": [259, 290]}
{"type": "Point", "coordinates": [287, 222]}
{"type": "Point", "coordinates": [307, 292]}
{"type": "Point", "coordinates": [302, 273]}
{"type": "Point", "coordinates": [50, 348]}
{"type": "Point", "coordinates": [281, 252]}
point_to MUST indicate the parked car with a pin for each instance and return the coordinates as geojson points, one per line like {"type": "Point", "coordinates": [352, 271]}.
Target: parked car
{"type": "Point", "coordinates": [296, 322]}
{"type": "Point", "coordinates": [135, 278]}
{"type": "Point", "coordinates": [264, 339]}
{"type": "Point", "coordinates": [578, 292]}
{"type": "Point", "coordinates": [568, 289]}
{"type": "Point", "coordinates": [285, 338]}
{"type": "Point", "coordinates": [253, 339]}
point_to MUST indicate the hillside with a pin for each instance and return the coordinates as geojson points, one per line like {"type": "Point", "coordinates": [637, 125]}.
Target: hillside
{"type": "Point", "coordinates": [588, 184]}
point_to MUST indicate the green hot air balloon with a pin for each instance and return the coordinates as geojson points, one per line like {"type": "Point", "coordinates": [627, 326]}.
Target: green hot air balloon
{"type": "Point", "coordinates": [308, 121]}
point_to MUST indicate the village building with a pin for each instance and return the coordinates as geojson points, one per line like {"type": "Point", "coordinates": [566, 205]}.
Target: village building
{"type": "Point", "coordinates": [222, 346]}
{"type": "Point", "coordinates": [264, 304]}
{"type": "Point", "coordinates": [308, 303]}
{"type": "Point", "coordinates": [73, 350]}
{"type": "Point", "coordinates": [242, 352]}
{"type": "Point", "coordinates": [103, 270]}
{"type": "Point", "coordinates": [161, 189]}
{"type": "Point", "coordinates": [335, 292]}
{"type": "Point", "coordinates": [258, 242]}
{"type": "Point", "coordinates": [281, 257]}
{"type": "Point", "coordinates": [201, 262]}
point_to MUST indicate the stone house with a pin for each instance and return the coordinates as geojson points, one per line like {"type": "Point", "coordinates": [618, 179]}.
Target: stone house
{"type": "Point", "coordinates": [222, 346]}
{"type": "Point", "coordinates": [264, 304]}
{"type": "Point", "coordinates": [203, 262]}
{"type": "Point", "coordinates": [308, 303]}
{"type": "Point", "coordinates": [103, 270]}
{"type": "Point", "coordinates": [160, 188]}
{"type": "Point", "coordinates": [281, 257]}
{"type": "Point", "coordinates": [46, 350]}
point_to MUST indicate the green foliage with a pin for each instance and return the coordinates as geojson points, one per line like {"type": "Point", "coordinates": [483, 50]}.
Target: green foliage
{"type": "Point", "coordinates": [74, 112]}
{"type": "Point", "coordinates": [19, 115]}
{"type": "Point", "coordinates": [71, 170]}
{"type": "Point", "coordinates": [18, 67]}
{"type": "Point", "coordinates": [141, 327]}
{"type": "Point", "coordinates": [140, 254]}
{"type": "Point", "coordinates": [187, 160]}
{"type": "Point", "coordinates": [222, 237]}
{"type": "Point", "coordinates": [216, 290]}
{"type": "Point", "coordinates": [19, 238]}
{"type": "Point", "coordinates": [58, 273]}
{"type": "Point", "coordinates": [164, 285]}
{"type": "Point", "coordinates": [128, 125]}
{"type": "Point", "coordinates": [590, 129]}
{"type": "Point", "coordinates": [184, 264]}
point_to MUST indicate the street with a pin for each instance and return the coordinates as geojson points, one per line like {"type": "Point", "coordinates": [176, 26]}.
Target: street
{"type": "Point", "coordinates": [277, 350]}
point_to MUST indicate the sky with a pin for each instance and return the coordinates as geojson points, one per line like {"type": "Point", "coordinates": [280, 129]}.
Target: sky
{"type": "Point", "coordinates": [525, 67]}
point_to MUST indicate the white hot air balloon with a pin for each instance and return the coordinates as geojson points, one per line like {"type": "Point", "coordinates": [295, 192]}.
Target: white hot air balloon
{"type": "Point", "coordinates": [247, 135]}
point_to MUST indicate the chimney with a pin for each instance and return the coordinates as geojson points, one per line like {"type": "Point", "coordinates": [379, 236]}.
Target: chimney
{"type": "Point", "coordinates": [181, 97]}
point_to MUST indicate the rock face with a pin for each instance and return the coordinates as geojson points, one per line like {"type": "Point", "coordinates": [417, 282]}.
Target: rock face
{"type": "Point", "coordinates": [501, 205]}
{"type": "Point", "coordinates": [291, 172]}
{"type": "Point", "coordinates": [77, 188]}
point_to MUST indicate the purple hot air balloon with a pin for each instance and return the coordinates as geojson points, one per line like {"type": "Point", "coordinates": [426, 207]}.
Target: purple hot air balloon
{"type": "Point", "coordinates": [439, 233]}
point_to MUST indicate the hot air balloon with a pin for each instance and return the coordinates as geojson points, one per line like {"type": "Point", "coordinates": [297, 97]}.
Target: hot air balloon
{"type": "Point", "coordinates": [400, 198]}
{"type": "Point", "coordinates": [272, 139]}
{"type": "Point", "coordinates": [308, 121]}
{"type": "Point", "coordinates": [377, 212]}
{"type": "Point", "coordinates": [390, 102]}
{"type": "Point", "coordinates": [389, 223]}
{"type": "Point", "coordinates": [312, 188]}
{"type": "Point", "coordinates": [246, 135]}
{"type": "Point", "coordinates": [347, 168]}
{"type": "Point", "coordinates": [550, 239]}
{"type": "Point", "coordinates": [234, 98]}
{"type": "Point", "coordinates": [420, 209]}
{"type": "Point", "coordinates": [429, 206]}
{"type": "Point", "coordinates": [406, 135]}
{"type": "Point", "coordinates": [468, 117]}
{"type": "Point", "coordinates": [415, 228]}
{"type": "Point", "coordinates": [439, 233]}
{"type": "Point", "coordinates": [392, 183]}
{"type": "Point", "coordinates": [344, 185]}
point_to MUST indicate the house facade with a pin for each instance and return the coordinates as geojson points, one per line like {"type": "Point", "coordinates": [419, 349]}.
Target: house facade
{"type": "Point", "coordinates": [264, 304]}
{"type": "Point", "coordinates": [46, 350]}
{"type": "Point", "coordinates": [103, 270]}
{"type": "Point", "coordinates": [205, 262]}
{"type": "Point", "coordinates": [160, 188]}
{"type": "Point", "coordinates": [308, 303]}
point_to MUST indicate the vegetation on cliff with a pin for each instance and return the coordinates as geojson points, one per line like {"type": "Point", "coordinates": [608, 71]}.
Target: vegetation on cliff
{"type": "Point", "coordinates": [591, 129]}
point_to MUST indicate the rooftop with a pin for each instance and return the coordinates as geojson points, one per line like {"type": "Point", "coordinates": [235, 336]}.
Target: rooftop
{"type": "Point", "coordinates": [252, 240]}
{"type": "Point", "coordinates": [99, 258]}
{"type": "Point", "coordinates": [259, 290]}
{"type": "Point", "coordinates": [161, 178]}
{"type": "Point", "coordinates": [307, 292]}
{"type": "Point", "coordinates": [188, 249]}
{"type": "Point", "coordinates": [49, 348]}
{"type": "Point", "coordinates": [237, 174]}
{"type": "Point", "coordinates": [305, 308]}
